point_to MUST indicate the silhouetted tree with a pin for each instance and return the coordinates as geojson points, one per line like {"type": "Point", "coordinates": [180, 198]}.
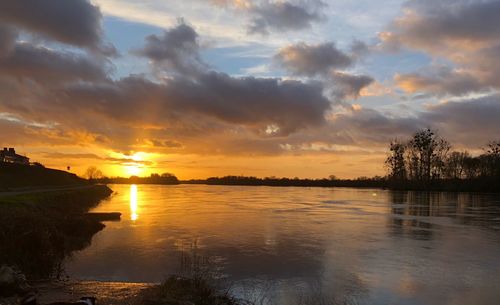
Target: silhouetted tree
{"type": "Point", "coordinates": [471, 167]}
{"type": "Point", "coordinates": [456, 165]}
{"type": "Point", "coordinates": [92, 173]}
{"type": "Point", "coordinates": [426, 155]}
{"type": "Point", "coordinates": [395, 162]}
{"type": "Point", "coordinates": [493, 158]}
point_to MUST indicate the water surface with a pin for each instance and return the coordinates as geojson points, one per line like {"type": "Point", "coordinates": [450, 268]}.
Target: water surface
{"type": "Point", "coordinates": [285, 245]}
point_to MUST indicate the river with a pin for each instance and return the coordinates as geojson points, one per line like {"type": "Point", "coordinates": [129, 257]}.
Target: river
{"type": "Point", "coordinates": [292, 245]}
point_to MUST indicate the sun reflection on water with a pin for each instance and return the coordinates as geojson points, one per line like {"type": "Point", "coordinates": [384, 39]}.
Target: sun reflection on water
{"type": "Point", "coordinates": [133, 203]}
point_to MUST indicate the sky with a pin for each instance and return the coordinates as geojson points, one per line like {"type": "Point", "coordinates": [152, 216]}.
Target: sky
{"type": "Point", "coordinates": [201, 88]}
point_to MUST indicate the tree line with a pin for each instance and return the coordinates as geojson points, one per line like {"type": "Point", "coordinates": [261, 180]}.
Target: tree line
{"type": "Point", "coordinates": [165, 178]}
{"type": "Point", "coordinates": [427, 158]}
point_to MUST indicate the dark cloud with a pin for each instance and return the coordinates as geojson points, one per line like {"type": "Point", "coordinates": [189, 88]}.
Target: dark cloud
{"type": "Point", "coordinates": [372, 127]}
{"type": "Point", "coordinates": [8, 37]}
{"type": "Point", "coordinates": [165, 143]}
{"type": "Point", "coordinates": [48, 66]}
{"type": "Point", "coordinates": [440, 81]}
{"type": "Point", "coordinates": [177, 50]}
{"type": "Point", "coordinates": [252, 102]}
{"type": "Point", "coordinates": [471, 122]}
{"type": "Point", "coordinates": [466, 33]}
{"type": "Point", "coordinates": [210, 115]}
{"type": "Point", "coordinates": [75, 22]}
{"type": "Point", "coordinates": [467, 123]}
{"type": "Point", "coordinates": [348, 85]}
{"type": "Point", "coordinates": [312, 60]}
{"type": "Point", "coordinates": [284, 16]}
{"type": "Point", "coordinates": [323, 62]}
{"type": "Point", "coordinates": [446, 20]}
{"type": "Point", "coordinates": [359, 49]}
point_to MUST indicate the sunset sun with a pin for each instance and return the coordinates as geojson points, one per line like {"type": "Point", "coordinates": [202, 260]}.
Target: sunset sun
{"type": "Point", "coordinates": [133, 170]}
{"type": "Point", "coordinates": [136, 164]}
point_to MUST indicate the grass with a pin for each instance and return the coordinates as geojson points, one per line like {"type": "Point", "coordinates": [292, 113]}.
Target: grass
{"type": "Point", "coordinates": [38, 230]}
{"type": "Point", "coordinates": [179, 290]}
{"type": "Point", "coordinates": [14, 176]}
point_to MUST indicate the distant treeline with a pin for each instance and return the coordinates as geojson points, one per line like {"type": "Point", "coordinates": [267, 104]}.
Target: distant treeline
{"type": "Point", "coordinates": [476, 185]}
{"type": "Point", "coordinates": [165, 178]}
{"type": "Point", "coordinates": [426, 161]}
{"type": "Point", "coordinates": [273, 181]}
{"type": "Point", "coordinates": [423, 162]}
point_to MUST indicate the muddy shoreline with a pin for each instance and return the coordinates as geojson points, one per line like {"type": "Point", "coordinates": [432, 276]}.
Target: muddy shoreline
{"type": "Point", "coordinates": [107, 293]}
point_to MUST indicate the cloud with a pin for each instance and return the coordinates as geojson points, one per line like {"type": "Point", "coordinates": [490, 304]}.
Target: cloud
{"type": "Point", "coordinates": [276, 16]}
{"type": "Point", "coordinates": [348, 85]}
{"type": "Point", "coordinates": [311, 60]}
{"type": "Point", "coordinates": [45, 66]}
{"type": "Point", "coordinates": [436, 24]}
{"type": "Point", "coordinates": [323, 62]}
{"type": "Point", "coordinates": [76, 22]}
{"type": "Point", "coordinates": [283, 16]}
{"type": "Point", "coordinates": [470, 123]}
{"type": "Point", "coordinates": [8, 37]}
{"type": "Point", "coordinates": [359, 49]}
{"type": "Point", "coordinates": [176, 50]}
{"type": "Point", "coordinates": [251, 102]}
{"type": "Point", "coordinates": [77, 83]}
{"type": "Point", "coordinates": [440, 81]}
{"type": "Point", "coordinates": [126, 161]}
{"type": "Point", "coordinates": [168, 113]}
{"type": "Point", "coordinates": [464, 33]}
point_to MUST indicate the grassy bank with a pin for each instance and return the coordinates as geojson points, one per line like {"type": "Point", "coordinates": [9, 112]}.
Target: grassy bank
{"type": "Point", "coordinates": [13, 176]}
{"type": "Point", "coordinates": [38, 230]}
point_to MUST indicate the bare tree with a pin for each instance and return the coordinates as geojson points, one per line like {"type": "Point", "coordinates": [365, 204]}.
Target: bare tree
{"type": "Point", "coordinates": [426, 155]}
{"type": "Point", "coordinates": [492, 159]}
{"type": "Point", "coordinates": [395, 162]}
{"type": "Point", "coordinates": [457, 165]}
{"type": "Point", "coordinates": [92, 173]}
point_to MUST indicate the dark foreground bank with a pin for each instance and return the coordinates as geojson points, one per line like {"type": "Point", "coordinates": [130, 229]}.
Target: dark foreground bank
{"type": "Point", "coordinates": [39, 229]}
{"type": "Point", "coordinates": [15, 176]}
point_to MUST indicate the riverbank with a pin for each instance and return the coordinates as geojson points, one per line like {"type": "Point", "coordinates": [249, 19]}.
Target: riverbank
{"type": "Point", "coordinates": [174, 291]}
{"type": "Point", "coordinates": [107, 293]}
{"type": "Point", "coordinates": [38, 230]}
{"type": "Point", "coordinates": [20, 176]}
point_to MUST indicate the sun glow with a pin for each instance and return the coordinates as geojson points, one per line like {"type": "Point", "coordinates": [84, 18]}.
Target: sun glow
{"type": "Point", "coordinates": [135, 166]}
{"type": "Point", "coordinates": [133, 203]}
{"type": "Point", "coordinates": [133, 170]}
